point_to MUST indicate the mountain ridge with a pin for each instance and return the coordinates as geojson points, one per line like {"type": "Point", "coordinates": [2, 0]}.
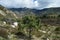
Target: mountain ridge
{"type": "Point", "coordinates": [37, 11]}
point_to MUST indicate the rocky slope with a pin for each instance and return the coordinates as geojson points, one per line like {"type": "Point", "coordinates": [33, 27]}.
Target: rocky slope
{"type": "Point", "coordinates": [7, 22]}
{"type": "Point", "coordinates": [15, 23]}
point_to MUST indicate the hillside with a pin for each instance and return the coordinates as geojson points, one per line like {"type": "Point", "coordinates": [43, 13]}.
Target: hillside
{"type": "Point", "coordinates": [47, 15]}
{"type": "Point", "coordinates": [7, 22]}
{"type": "Point", "coordinates": [55, 10]}
{"type": "Point", "coordinates": [29, 24]}
{"type": "Point", "coordinates": [7, 13]}
{"type": "Point", "coordinates": [49, 21]}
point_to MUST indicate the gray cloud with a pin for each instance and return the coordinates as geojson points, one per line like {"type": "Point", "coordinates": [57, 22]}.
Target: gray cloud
{"type": "Point", "coordinates": [39, 4]}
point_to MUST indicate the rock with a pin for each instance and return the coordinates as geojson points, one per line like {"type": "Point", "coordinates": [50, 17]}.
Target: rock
{"type": "Point", "coordinates": [4, 32]}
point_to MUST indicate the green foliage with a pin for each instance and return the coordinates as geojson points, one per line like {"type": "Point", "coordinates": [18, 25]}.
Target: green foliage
{"type": "Point", "coordinates": [58, 15]}
{"type": "Point", "coordinates": [29, 23]}
{"type": "Point", "coordinates": [1, 38]}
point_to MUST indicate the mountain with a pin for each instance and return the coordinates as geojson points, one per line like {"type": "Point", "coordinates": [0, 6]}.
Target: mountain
{"type": "Point", "coordinates": [55, 10]}
{"type": "Point", "coordinates": [25, 10]}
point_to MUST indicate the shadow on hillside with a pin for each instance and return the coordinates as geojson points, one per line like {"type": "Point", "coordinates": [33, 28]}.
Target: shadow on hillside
{"type": "Point", "coordinates": [21, 35]}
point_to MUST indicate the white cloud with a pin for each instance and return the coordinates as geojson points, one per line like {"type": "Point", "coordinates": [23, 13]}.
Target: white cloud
{"type": "Point", "coordinates": [36, 3]}
{"type": "Point", "coordinates": [54, 3]}
{"type": "Point", "coordinates": [19, 3]}
{"type": "Point", "coordinates": [48, 3]}
{"type": "Point", "coordinates": [39, 4]}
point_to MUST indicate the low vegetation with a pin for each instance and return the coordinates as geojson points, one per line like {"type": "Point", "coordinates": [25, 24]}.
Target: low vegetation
{"type": "Point", "coordinates": [29, 26]}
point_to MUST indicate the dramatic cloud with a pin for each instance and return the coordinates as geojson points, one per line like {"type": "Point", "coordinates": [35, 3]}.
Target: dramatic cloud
{"type": "Point", "coordinates": [39, 4]}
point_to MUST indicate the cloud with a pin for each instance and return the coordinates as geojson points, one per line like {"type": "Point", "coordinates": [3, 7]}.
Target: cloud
{"type": "Point", "coordinates": [39, 4]}
{"type": "Point", "coordinates": [54, 3]}
{"type": "Point", "coordinates": [19, 3]}
{"type": "Point", "coordinates": [48, 3]}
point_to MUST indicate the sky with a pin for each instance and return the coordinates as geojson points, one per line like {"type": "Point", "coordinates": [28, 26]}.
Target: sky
{"type": "Point", "coordinates": [37, 4]}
